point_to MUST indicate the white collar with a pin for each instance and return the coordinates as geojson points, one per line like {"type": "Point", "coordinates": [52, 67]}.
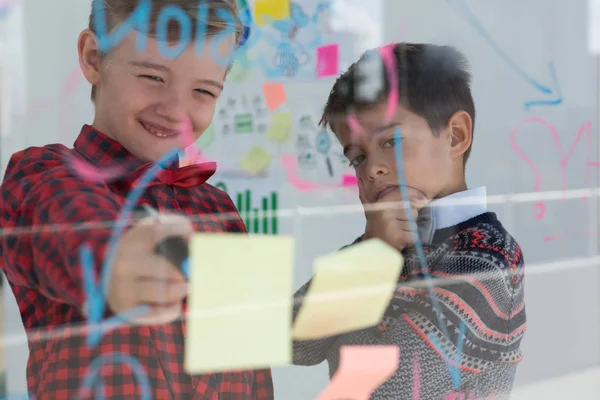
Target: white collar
{"type": "Point", "coordinates": [459, 207]}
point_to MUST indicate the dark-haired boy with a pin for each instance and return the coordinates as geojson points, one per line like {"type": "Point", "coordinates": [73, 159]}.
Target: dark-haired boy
{"type": "Point", "coordinates": [476, 267]}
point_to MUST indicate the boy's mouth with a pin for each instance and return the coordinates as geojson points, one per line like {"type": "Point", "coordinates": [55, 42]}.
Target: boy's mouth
{"type": "Point", "coordinates": [158, 130]}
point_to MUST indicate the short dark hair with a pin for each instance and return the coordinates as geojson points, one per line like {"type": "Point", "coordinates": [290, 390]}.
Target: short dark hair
{"type": "Point", "coordinates": [118, 11]}
{"type": "Point", "coordinates": [434, 83]}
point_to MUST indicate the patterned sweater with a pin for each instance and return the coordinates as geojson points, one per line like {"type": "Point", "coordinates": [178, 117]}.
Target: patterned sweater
{"type": "Point", "coordinates": [476, 269]}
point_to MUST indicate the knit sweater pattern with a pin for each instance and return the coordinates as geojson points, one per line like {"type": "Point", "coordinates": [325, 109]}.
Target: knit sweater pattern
{"type": "Point", "coordinates": [475, 274]}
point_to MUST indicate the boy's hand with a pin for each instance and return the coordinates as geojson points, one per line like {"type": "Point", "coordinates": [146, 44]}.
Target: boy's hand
{"type": "Point", "coordinates": [142, 277]}
{"type": "Point", "coordinates": [387, 219]}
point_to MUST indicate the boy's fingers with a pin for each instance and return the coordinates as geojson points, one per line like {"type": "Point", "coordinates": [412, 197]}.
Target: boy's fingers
{"type": "Point", "coordinates": [174, 225]}
{"type": "Point", "coordinates": [156, 267]}
{"type": "Point", "coordinates": [157, 292]}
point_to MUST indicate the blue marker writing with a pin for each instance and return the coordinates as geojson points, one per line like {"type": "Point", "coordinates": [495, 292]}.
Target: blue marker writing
{"type": "Point", "coordinates": [418, 244]}
{"type": "Point", "coordinates": [96, 299]}
{"type": "Point", "coordinates": [138, 20]}
{"type": "Point", "coordinates": [138, 370]}
{"type": "Point", "coordinates": [167, 13]}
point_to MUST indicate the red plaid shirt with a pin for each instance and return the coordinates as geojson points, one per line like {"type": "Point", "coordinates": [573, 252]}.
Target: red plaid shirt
{"type": "Point", "coordinates": [42, 199]}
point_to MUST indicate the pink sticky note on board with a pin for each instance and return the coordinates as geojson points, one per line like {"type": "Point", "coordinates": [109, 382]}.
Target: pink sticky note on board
{"type": "Point", "coordinates": [362, 370]}
{"type": "Point", "coordinates": [328, 60]}
{"type": "Point", "coordinates": [349, 180]}
{"type": "Point", "coordinates": [274, 95]}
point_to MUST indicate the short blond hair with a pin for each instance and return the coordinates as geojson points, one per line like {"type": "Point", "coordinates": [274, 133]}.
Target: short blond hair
{"type": "Point", "coordinates": [117, 11]}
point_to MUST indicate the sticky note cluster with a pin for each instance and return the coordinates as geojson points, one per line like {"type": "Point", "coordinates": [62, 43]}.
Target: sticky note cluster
{"type": "Point", "coordinates": [350, 290]}
{"type": "Point", "coordinates": [240, 303]}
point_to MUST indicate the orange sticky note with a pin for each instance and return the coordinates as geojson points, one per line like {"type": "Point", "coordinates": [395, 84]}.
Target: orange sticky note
{"type": "Point", "coordinates": [274, 94]}
{"type": "Point", "coordinates": [362, 370]}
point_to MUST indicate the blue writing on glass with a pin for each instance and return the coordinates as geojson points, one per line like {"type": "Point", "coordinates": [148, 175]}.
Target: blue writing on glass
{"type": "Point", "coordinates": [96, 303]}
{"type": "Point", "coordinates": [138, 20]}
{"type": "Point", "coordinates": [116, 358]}
{"type": "Point", "coordinates": [201, 16]}
{"type": "Point", "coordinates": [226, 33]}
{"type": "Point", "coordinates": [166, 14]}
{"type": "Point", "coordinates": [418, 245]}
{"type": "Point", "coordinates": [468, 15]}
{"type": "Point", "coordinates": [453, 370]}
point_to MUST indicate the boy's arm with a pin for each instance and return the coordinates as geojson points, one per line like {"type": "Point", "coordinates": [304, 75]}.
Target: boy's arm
{"type": "Point", "coordinates": [479, 311]}
{"type": "Point", "coordinates": [52, 212]}
{"type": "Point", "coordinates": [262, 385]}
{"type": "Point", "coordinates": [311, 352]}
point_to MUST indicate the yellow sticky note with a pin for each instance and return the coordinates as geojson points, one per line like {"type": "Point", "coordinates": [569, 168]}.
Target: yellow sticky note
{"type": "Point", "coordinates": [256, 160]}
{"type": "Point", "coordinates": [350, 290]}
{"type": "Point", "coordinates": [281, 126]}
{"type": "Point", "coordinates": [268, 11]}
{"type": "Point", "coordinates": [239, 308]}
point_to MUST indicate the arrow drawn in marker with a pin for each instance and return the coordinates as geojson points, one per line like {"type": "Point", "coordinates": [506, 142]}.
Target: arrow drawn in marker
{"type": "Point", "coordinates": [553, 90]}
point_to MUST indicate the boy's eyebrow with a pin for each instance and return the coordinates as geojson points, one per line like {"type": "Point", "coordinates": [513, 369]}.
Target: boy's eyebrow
{"type": "Point", "coordinates": [376, 131]}
{"type": "Point", "coordinates": [159, 67]}
{"type": "Point", "coordinates": [148, 64]}
{"type": "Point", "coordinates": [347, 148]}
{"type": "Point", "coordinates": [392, 124]}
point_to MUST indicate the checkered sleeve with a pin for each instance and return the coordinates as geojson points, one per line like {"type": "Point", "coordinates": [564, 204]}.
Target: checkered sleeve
{"type": "Point", "coordinates": [48, 213]}
{"type": "Point", "coordinates": [262, 385]}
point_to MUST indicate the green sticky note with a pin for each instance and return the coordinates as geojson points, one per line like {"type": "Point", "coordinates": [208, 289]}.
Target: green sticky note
{"type": "Point", "coordinates": [243, 123]}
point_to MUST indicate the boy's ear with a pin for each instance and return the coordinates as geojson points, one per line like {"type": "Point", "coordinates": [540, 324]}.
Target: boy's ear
{"type": "Point", "coordinates": [89, 56]}
{"type": "Point", "coordinates": [461, 133]}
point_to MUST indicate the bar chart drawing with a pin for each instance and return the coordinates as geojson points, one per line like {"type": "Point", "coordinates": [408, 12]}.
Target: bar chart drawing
{"type": "Point", "coordinates": [259, 218]}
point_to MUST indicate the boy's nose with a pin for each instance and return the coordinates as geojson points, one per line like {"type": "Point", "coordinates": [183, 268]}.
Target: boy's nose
{"type": "Point", "coordinates": [377, 170]}
{"type": "Point", "coordinates": [172, 108]}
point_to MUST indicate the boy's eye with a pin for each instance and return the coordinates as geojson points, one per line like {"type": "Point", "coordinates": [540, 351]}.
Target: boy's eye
{"type": "Point", "coordinates": [203, 91]}
{"type": "Point", "coordinates": [391, 142]}
{"type": "Point", "coordinates": [152, 78]}
{"type": "Point", "coordinates": [356, 161]}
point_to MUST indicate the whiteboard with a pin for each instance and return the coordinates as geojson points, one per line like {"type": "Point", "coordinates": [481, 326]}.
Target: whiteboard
{"type": "Point", "coordinates": [510, 46]}
{"type": "Point", "coordinates": [551, 147]}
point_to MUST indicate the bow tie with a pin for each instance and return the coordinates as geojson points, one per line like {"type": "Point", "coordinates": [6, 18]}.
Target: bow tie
{"type": "Point", "coordinates": [184, 177]}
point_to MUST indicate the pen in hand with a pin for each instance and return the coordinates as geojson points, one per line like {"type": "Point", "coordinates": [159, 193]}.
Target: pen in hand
{"type": "Point", "coordinates": [173, 248]}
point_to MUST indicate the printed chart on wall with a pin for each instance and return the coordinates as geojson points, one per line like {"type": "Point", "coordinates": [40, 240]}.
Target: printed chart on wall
{"type": "Point", "coordinates": [320, 158]}
{"type": "Point", "coordinates": [293, 41]}
{"type": "Point", "coordinates": [246, 136]}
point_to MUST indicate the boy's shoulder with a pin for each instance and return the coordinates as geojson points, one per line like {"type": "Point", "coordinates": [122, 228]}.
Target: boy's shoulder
{"type": "Point", "coordinates": [485, 246]}
{"type": "Point", "coordinates": [36, 159]}
{"type": "Point", "coordinates": [485, 232]}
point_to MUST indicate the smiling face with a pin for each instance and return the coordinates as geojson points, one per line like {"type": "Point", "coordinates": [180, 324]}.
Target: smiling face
{"type": "Point", "coordinates": [142, 99]}
{"type": "Point", "coordinates": [432, 164]}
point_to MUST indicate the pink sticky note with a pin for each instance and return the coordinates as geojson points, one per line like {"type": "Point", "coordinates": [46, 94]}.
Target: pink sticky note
{"type": "Point", "coordinates": [362, 370]}
{"type": "Point", "coordinates": [349, 180]}
{"type": "Point", "coordinates": [328, 60]}
{"type": "Point", "coordinates": [274, 94]}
